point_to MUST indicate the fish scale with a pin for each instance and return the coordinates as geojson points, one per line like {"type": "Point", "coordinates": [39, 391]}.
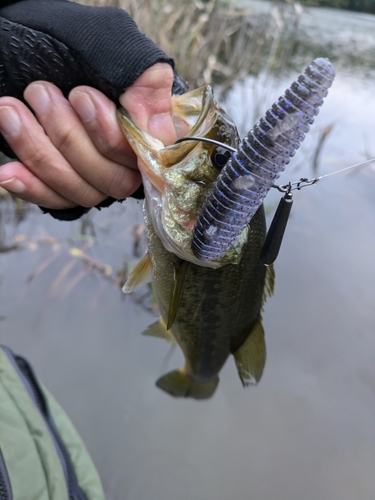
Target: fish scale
{"type": "Point", "coordinates": [261, 158]}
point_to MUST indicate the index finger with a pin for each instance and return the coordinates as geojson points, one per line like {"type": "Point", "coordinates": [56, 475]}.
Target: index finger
{"type": "Point", "coordinates": [98, 116]}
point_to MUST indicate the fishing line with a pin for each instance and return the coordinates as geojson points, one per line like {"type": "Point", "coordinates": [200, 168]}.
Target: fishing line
{"type": "Point", "coordinates": [303, 182]}
{"type": "Point", "coordinates": [206, 139]}
{"type": "Point", "coordinates": [275, 234]}
{"type": "Point", "coordinates": [346, 168]}
{"type": "Point", "coordinates": [291, 186]}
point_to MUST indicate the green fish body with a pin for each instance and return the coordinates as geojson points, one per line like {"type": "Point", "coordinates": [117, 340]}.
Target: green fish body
{"type": "Point", "coordinates": [211, 310]}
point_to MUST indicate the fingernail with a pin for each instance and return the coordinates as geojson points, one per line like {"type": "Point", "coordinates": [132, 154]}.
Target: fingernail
{"type": "Point", "coordinates": [38, 98]}
{"type": "Point", "coordinates": [13, 185]}
{"type": "Point", "coordinates": [83, 105]}
{"type": "Point", "coordinates": [10, 123]}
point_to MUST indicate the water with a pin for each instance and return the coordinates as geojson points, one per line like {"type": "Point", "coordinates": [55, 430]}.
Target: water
{"type": "Point", "coordinates": [308, 430]}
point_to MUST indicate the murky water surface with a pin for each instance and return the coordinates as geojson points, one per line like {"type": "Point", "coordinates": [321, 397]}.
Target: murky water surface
{"type": "Point", "coordinates": [307, 431]}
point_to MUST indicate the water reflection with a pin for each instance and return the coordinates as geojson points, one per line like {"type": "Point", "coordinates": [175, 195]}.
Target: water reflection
{"type": "Point", "coordinates": [72, 254]}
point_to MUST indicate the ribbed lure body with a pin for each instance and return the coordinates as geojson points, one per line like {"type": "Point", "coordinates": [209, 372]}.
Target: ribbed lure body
{"type": "Point", "coordinates": [260, 159]}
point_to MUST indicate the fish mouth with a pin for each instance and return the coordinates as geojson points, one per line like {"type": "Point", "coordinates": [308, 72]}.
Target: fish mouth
{"type": "Point", "coordinates": [178, 177]}
{"type": "Point", "coordinates": [190, 113]}
{"type": "Point", "coordinates": [190, 116]}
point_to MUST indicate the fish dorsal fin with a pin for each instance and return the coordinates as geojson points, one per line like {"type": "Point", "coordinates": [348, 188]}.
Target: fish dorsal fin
{"type": "Point", "coordinates": [177, 291]}
{"type": "Point", "coordinates": [159, 330]}
{"type": "Point", "coordinates": [250, 357]}
{"type": "Point", "coordinates": [141, 274]}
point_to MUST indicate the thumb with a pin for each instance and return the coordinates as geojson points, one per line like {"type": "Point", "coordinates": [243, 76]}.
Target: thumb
{"type": "Point", "coordinates": [149, 102]}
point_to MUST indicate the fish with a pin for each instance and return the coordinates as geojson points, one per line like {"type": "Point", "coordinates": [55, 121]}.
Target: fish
{"type": "Point", "coordinates": [211, 309]}
{"type": "Point", "coordinates": [261, 157]}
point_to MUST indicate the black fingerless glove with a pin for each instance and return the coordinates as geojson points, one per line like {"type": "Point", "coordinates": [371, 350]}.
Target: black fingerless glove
{"type": "Point", "coordinates": [69, 45]}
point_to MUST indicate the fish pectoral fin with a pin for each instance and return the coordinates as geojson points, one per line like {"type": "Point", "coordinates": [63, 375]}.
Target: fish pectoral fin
{"type": "Point", "coordinates": [141, 274]}
{"type": "Point", "coordinates": [180, 385]}
{"type": "Point", "coordinates": [250, 357]}
{"type": "Point", "coordinates": [159, 330]}
{"type": "Point", "coordinates": [177, 291]}
{"type": "Point", "coordinates": [269, 282]}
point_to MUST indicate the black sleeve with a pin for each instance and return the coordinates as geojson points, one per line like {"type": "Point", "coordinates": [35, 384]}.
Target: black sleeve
{"type": "Point", "coordinates": [4, 3]}
{"type": "Point", "coordinates": [70, 44]}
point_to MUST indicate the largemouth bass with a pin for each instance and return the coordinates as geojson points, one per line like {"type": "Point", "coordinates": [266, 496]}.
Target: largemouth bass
{"type": "Point", "coordinates": [212, 311]}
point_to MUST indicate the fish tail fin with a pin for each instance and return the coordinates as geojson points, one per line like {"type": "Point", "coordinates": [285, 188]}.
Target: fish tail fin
{"type": "Point", "coordinates": [180, 385]}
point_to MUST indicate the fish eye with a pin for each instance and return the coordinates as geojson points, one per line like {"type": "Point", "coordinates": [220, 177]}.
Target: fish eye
{"type": "Point", "coordinates": [220, 157]}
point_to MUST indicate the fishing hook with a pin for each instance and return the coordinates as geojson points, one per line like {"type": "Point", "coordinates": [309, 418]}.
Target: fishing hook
{"type": "Point", "coordinates": [283, 188]}
{"type": "Point", "coordinates": [275, 234]}
{"type": "Point", "coordinates": [206, 139]}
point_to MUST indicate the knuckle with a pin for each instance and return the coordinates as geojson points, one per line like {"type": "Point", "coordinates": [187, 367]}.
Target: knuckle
{"type": "Point", "coordinates": [39, 156]}
{"type": "Point", "coordinates": [122, 184]}
{"type": "Point", "coordinates": [87, 197]}
{"type": "Point", "coordinates": [107, 144]}
{"type": "Point", "coordinates": [65, 137]}
{"type": "Point", "coordinates": [117, 188]}
{"type": "Point", "coordinates": [104, 147]}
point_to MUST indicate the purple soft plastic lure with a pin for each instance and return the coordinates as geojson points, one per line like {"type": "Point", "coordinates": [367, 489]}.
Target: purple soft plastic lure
{"type": "Point", "coordinates": [260, 159]}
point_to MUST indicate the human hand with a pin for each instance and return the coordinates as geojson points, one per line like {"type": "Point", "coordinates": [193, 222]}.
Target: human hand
{"type": "Point", "coordinates": [66, 160]}
{"type": "Point", "coordinates": [73, 152]}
